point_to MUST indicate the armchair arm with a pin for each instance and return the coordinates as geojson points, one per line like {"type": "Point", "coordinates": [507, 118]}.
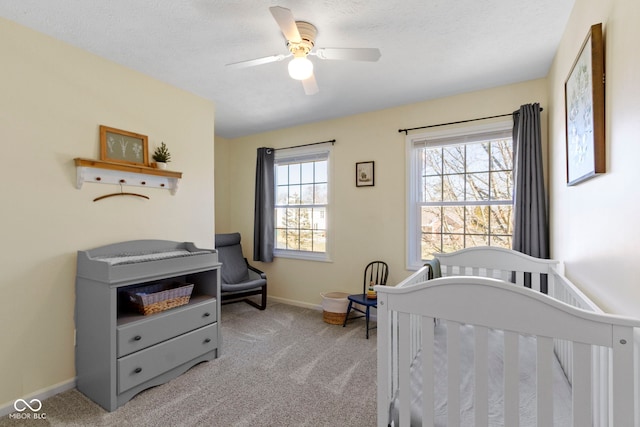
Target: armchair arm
{"type": "Point", "coordinates": [253, 272]}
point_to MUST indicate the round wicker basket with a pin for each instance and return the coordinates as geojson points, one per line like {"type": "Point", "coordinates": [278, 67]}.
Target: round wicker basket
{"type": "Point", "coordinates": [333, 318]}
{"type": "Point", "coordinates": [334, 307]}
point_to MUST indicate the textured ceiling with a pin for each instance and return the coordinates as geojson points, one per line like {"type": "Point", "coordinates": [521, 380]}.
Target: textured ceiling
{"type": "Point", "coordinates": [430, 49]}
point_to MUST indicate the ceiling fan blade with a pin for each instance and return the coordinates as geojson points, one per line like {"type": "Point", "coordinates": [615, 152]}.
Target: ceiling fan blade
{"type": "Point", "coordinates": [349, 54]}
{"type": "Point", "coordinates": [287, 23]}
{"type": "Point", "coordinates": [259, 61]}
{"type": "Point", "coordinates": [310, 85]}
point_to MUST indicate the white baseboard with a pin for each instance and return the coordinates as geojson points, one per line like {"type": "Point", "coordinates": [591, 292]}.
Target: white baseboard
{"type": "Point", "coordinates": [41, 395]}
{"type": "Point", "coordinates": [296, 303]}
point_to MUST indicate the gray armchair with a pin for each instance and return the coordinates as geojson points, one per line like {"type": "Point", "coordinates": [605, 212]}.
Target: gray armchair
{"type": "Point", "coordinates": [239, 279]}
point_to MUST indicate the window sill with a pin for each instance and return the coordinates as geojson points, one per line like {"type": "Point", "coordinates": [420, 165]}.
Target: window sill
{"type": "Point", "coordinates": [302, 255]}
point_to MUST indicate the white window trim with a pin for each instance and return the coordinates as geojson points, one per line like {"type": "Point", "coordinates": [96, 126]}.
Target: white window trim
{"type": "Point", "coordinates": [303, 152]}
{"type": "Point", "coordinates": [302, 255]}
{"type": "Point", "coordinates": [414, 261]}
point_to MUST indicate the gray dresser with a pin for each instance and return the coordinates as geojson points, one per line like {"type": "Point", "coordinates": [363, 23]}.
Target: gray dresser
{"type": "Point", "coordinates": [120, 352]}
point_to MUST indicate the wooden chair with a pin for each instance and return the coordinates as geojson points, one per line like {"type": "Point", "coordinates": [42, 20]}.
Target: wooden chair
{"type": "Point", "coordinates": [239, 279]}
{"type": "Point", "coordinates": [375, 273]}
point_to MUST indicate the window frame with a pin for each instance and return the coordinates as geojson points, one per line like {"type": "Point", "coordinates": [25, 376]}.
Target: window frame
{"type": "Point", "coordinates": [300, 155]}
{"type": "Point", "coordinates": [436, 138]}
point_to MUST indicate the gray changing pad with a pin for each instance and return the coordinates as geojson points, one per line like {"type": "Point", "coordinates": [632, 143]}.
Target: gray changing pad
{"type": "Point", "coordinates": [132, 258]}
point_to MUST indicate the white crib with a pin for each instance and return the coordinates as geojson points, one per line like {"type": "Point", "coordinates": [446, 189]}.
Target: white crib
{"type": "Point", "coordinates": [562, 361]}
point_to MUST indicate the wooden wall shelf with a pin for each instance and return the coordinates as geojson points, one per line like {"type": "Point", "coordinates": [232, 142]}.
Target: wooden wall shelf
{"type": "Point", "coordinates": [102, 172]}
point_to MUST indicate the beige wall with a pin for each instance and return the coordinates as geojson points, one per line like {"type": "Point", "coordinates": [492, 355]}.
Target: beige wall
{"type": "Point", "coordinates": [53, 98]}
{"type": "Point", "coordinates": [367, 223]}
{"type": "Point", "coordinates": [595, 228]}
{"type": "Point", "coordinates": [223, 185]}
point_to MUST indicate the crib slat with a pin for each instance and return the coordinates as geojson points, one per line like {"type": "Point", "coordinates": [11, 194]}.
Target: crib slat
{"type": "Point", "coordinates": [622, 382]}
{"type": "Point", "coordinates": [535, 281]}
{"type": "Point", "coordinates": [385, 358]}
{"type": "Point", "coordinates": [404, 362]}
{"type": "Point", "coordinates": [544, 383]}
{"type": "Point", "coordinates": [481, 366]}
{"type": "Point", "coordinates": [564, 356]}
{"type": "Point", "coordinates": [511, 379]}
{"type": "Point", "coordinates": [600, 378]}
{"type": "Point", "coordinates": [414, 324]}
{"type": "Point", "coordinates": [394, 349]}
{"type": "Point", "coordinates": [581, 386]}
{"type": "Point", "coordinates": [519, 278]}
{"type": "Point", "coordinates": [453, 373]}
{"type": "Point", "coordinates": [427, 372]}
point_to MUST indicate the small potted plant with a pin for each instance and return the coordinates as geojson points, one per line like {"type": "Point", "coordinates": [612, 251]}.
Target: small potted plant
{"type": "Point", "coordinates": [161, 156]}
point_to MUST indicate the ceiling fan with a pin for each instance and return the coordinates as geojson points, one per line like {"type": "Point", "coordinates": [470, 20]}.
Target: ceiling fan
{"type": "Point", "coordinates": [301, 38]}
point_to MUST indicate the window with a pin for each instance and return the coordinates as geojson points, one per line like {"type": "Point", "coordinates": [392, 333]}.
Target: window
{"type": "Point", "coordinates": [460, 190]}
{"type": "Point", "coordinates": [301, 203]}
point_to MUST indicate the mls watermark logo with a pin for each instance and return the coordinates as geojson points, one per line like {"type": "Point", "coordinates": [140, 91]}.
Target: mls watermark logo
{"type": "Point", "coordinates": [28, 410]}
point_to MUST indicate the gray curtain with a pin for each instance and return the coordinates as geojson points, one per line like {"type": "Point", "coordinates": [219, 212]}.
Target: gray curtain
{"type": "Point", "coordinates": [264, 206]}
{"type": "Point", "coordinates": [531, 229]}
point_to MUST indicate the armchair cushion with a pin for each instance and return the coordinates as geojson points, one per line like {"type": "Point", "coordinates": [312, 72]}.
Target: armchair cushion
{"type": "Point", "coordinates": [235, 268]}
{"type": "Point", "coordinates": [251, 284]}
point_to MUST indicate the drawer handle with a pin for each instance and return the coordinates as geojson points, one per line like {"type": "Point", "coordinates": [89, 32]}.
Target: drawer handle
{"type": "Point", "coordinates": [137, 338]}
{"type": "Point", "coordinates": [207, 314]}
{"type": "Point", "coordinates": [137, 370]}
{"type": "Point", "coordinates": [207, 340]}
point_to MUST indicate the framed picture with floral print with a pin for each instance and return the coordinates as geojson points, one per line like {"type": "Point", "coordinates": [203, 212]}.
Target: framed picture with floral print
{"type": "Point", "coordinates": [121, 146]}
{"type": "Point", "coordinates": [584, 110]}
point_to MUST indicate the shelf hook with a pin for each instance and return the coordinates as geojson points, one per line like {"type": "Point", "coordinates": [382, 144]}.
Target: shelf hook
{"type": "Point", "coordinates": [121, 193]}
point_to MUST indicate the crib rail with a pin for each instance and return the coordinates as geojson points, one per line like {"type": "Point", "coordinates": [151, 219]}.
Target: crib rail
{"type": "Point", "coordinates": [457, 299]}
{"type": "Point", "coordinates": [564, 290]}
{"type": "Point", "coordinates": [522, 270]}
{"type": "Point", "coordinates": [393, 329]}
{"type": "Point", "coordinates": [498, 263]}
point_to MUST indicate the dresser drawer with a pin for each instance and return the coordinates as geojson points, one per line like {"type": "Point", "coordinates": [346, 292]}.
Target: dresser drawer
{"type": "Point", "coordinates": [159, 327]}
{"type": "Point", "coordinates": [153, 361]}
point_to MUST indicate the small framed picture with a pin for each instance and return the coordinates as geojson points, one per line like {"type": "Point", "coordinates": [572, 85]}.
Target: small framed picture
{"type": "Point", "coordinates": [121, 146]}
{"type": "Point", "coordinates": [584, 110]}
{"type": "Point", "coordinates": [365, 174]}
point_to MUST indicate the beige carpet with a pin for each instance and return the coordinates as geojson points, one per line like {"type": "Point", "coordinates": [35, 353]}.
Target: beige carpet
{"type": "Point", "coordinates": [279, 367]}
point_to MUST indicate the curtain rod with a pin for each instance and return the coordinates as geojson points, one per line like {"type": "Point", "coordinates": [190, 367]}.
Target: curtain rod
{"type": "Point", "coordinates": [332, 141]}
{"type": "Point", "coordinates": [406, 131]}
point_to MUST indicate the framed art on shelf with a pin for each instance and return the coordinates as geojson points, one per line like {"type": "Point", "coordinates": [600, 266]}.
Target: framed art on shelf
{"type": "Point", "coordinates": [365, 174]}
{"type": "Point", "coordinates": [584, 111]}
{"type": "Point", "coordinates": [121, 146]}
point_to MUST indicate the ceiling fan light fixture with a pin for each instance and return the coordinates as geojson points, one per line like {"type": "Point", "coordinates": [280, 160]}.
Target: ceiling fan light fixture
{"type": "Point", "coordinates": [300, 68]}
